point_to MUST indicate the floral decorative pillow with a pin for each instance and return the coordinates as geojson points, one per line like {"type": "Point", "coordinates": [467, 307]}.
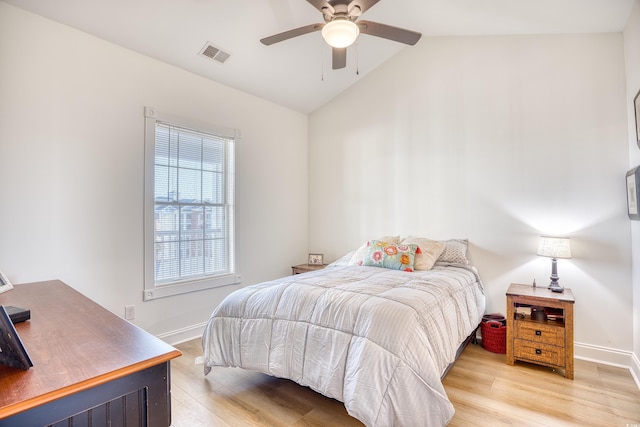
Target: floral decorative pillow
{"type": "Point", "coordinates": [361, 252]}
{"type": "Point", "coordinates": [391, 255]}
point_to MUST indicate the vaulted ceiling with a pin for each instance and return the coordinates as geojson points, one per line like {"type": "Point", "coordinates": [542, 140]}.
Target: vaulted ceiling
{"type": "Point", "coordinates": [297, 73]}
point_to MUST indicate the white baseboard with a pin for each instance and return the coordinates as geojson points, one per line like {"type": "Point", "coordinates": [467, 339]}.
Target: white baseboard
{"type": "Point", "coordinates": [609, 356]}
{"type": "Point", "coordinates": [185, 334]}
{"type": "Point", "coordinates": [589, 352]}
{"type": "Point", "coordinates": [635, 369]}
{"type": "Point", "coordinates": [604, 355]}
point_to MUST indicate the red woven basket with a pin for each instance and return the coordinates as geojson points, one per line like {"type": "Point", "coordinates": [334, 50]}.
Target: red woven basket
{"type": "Point", "coordinates": [494, 333]}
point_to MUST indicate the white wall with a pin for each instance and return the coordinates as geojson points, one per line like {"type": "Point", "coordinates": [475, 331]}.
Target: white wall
{"type": "Point", "coordinates": [496, 139]}
{"type": "Point", "coordinates": [632, 57]}
{"type": "Point", "coordinates": [71, 168]}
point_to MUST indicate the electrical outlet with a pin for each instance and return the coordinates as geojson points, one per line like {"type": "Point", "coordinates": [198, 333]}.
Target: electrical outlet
{"type": "Point", "coordinates": [129, 312]}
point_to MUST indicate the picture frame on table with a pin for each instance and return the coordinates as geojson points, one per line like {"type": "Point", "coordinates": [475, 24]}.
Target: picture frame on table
{"type": "Point", "coordinates": [636, 109]}
{"type": "Point", "coordinates": [5, 284]}
{"type": "Point", "coordinates": [315, 259]}
{"type": "Point", "coordinates": [633, 193]}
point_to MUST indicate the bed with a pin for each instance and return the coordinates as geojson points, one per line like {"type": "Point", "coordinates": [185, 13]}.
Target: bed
{"type": "Point", "coordinates": [378, 338]}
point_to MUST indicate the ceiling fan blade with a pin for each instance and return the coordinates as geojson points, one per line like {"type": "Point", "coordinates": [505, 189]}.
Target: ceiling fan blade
{"type": "Point", "coordinates": [291, 34]}
{"type": "Point", "coordinates": [323, 6]}
{"type": "Point", "coordinates": [339, 57]}
{"type": "Point", "coordinates": [388, 32]}
{"type": "Point", "coordinates": [363, 5]}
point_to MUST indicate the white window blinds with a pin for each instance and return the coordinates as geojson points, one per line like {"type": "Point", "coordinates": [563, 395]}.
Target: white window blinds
{"type": "Point", "coordinates": [193, 210]}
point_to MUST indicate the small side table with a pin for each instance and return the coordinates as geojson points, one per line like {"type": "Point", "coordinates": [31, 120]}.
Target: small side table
{"type": "Point", "coordinates": [303, 268]}
{"type": "Point", "coordinates": [545, 339]}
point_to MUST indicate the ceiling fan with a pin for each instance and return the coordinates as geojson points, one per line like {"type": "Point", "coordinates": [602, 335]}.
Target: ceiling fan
{"type": "Point", "coordinates": [340, 28]}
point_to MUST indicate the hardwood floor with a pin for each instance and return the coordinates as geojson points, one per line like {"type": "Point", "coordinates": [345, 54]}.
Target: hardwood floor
{"type": "Point", "coordinates": [484, 390]}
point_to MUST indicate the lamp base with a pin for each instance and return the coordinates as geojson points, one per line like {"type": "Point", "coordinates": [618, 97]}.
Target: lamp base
{"type": "Point", "coordinates": [555, 287]}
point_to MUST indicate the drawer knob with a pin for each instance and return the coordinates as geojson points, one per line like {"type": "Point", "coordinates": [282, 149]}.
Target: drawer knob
{"type": "Point", "coordinates": [538, 351]}
{"type": "Point", "coordinates": [538, 333]}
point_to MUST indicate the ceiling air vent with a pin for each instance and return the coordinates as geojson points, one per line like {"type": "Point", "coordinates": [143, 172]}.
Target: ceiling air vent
{"type": "Point", "coordinates": [214, 53]}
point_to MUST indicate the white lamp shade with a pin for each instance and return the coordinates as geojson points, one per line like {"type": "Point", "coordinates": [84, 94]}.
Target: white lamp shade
{"type": "Point", "coordinates": [554, 247]}
{"type": "Point", "coordinates": [340, 33]}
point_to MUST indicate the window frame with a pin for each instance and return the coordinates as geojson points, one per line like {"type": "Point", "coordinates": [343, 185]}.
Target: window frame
{"type": "Point", "coordinates": [153, 290]}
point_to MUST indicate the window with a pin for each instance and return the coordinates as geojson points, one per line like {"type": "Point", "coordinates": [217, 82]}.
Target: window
{"type": "Point", "coordinates": [189, 207]}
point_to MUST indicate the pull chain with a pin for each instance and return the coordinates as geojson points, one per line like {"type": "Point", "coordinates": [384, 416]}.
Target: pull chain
{"type": "Point", "coordinates": [357, 59]}
{"type": "Point", "coordinates": [321, 63]}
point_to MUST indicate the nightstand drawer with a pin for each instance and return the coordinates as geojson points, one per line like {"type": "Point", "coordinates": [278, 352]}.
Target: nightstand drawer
{"type": "Point", "coordinates": [539, 352]}
{"type": "Point", "coordinates": [540, 332]}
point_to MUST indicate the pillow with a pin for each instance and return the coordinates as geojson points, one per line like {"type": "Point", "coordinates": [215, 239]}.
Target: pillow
{"type": "Point", "coordinates": [430, 250]}
{"type": "Point", "coordinates": [391, 255]}
{"type": "Point", "coordinates": [455, 251]}
{"type": "Point", "coordinates": [343, 260]}
{"type": "Point", "coordinates": [358, 256]}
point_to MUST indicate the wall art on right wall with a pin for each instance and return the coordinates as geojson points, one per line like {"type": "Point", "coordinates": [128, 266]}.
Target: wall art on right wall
{"type": "Point", "coordinates": [633, 193]}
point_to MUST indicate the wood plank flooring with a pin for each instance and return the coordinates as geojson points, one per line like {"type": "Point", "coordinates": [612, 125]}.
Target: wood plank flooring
{"type": "Point", "coordinates": [484, 390]}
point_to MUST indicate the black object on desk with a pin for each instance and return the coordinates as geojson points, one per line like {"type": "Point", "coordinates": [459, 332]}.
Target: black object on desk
{"type": "Point", "coordinates": [18, 314]}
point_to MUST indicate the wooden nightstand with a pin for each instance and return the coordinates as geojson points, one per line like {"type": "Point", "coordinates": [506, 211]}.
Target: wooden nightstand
{"type": "Point", "coordinates": [545, 339]}
{"type": "Point", "coordinates": [303, 268]}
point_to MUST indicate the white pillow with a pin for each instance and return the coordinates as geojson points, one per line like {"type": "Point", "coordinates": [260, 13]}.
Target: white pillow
{"type": "Point", "coordinates": [344, 259]}
{"type": "Point", "coordinates": [359, 255]}
{"type": "Point", "coordinates": [430, 250]}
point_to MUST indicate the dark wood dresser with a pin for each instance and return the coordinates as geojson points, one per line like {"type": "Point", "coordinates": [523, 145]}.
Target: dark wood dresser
{"type": "Point", "coordinates": [90, 367]}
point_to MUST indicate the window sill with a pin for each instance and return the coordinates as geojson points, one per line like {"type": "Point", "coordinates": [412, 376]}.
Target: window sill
{"type": "Point", "coordinates": [162, 291]}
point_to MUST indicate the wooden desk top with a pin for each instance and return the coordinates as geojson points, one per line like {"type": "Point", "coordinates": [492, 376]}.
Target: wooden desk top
{"type": "Point", "coordinates": [74, 343]}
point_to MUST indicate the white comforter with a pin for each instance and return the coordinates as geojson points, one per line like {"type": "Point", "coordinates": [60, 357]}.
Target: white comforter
{"type": "Point", "coordinates": [376, 339]}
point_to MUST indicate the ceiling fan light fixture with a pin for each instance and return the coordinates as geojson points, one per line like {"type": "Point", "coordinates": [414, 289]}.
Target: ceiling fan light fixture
{"type": "Point", "coordinates": [340, 33]}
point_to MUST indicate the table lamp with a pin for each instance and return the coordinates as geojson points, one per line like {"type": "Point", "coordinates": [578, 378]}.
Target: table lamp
{"type": "Point", "coordinates": [554, 248]}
